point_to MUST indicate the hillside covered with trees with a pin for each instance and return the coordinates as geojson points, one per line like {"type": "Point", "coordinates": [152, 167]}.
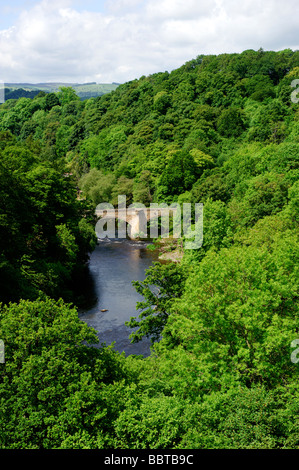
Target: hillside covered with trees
{"type": "Point", "coordinates": [83, 90]}
{"type": "Point", "coordinates": [223, 372]}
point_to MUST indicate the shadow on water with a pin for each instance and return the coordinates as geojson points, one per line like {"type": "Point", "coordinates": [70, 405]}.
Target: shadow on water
{"type": "Point", "coordinates": [108, 296]}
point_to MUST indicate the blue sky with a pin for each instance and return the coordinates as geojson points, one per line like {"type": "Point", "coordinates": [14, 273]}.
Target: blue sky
{"type": "Point", "coordinates": [9, 11]}
{"type": "Point", "coordinates": [120, 40]}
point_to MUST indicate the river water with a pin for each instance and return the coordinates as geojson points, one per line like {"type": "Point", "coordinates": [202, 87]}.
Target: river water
{"type": "Point", "coordinates": [113, 265]}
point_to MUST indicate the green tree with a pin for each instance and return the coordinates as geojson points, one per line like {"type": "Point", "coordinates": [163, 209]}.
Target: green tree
{"type": "Point", "coordinates": [51, 100]}
{"type": "Point", "coordinates": [179, 175]}
{"type": "Point", "coordinates": [55, 390]}
{"type": "Point", "coordinates": [168, 281]}
{"type": "Point", "coordinates": [97, 186]}
{"type": "Point", "coordinates": [231, 122]}
{"type": "Point", "coordinates": [266, 194]}
{"type": "Point", "coordinates": [66, 95]}
{"type": "Point", "coordinates": [162, 102]}
{"type": "Point", "coordinates": [240, 305]}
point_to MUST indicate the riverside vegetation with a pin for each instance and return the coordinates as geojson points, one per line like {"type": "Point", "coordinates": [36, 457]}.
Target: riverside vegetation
{"type": "Point", "coordinates": [220, 130]}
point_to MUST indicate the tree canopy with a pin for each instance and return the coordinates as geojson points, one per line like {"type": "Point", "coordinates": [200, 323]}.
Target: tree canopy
{"type": "Point", "coordinates": [221, 130]}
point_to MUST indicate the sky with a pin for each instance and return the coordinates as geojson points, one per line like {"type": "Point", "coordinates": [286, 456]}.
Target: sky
{"type": "Point", "coordinates": [107, 41]}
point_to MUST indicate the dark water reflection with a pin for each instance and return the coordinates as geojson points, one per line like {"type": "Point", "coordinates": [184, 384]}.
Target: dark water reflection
{"type": "Point", "coordinates": [113, 265]}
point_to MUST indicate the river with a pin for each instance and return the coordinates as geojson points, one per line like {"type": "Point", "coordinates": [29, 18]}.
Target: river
{"type": "Point", "coordinates": [113, 265]}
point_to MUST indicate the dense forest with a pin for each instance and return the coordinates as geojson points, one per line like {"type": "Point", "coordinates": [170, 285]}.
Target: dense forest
{"type": "Point", "coordinates": [19, 93]}
{"type": "Point", "coordinates": [222, 130]}
{"type": "Point", "coordinates": [84, 90]}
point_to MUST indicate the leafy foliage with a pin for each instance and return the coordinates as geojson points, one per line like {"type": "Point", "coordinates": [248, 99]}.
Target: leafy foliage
{"type": "Point", "coordinates": [54, 389]}
{"type": "Point", "coordinates": [221, 130]}
{"type": "Point", "coordinates": [168, 282]}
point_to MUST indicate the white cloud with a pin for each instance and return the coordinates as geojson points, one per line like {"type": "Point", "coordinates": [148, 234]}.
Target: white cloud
{"type": "Point", "coordinates": [121, 6]}
{"type": "Point", "coordinates": [179, 9]}
{"type": "Point", "coordinates": [57, 40]}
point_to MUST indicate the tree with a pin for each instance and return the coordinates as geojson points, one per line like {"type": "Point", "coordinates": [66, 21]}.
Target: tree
{"type": "Point", "coordinates": [241, 418]}
{"type": "Point", "coordinates": [55, 390]}
{"type": "Point", "coordinates": [168, 281]}
{"type": "Point", "coordinates": [51, 100]}
{"type": "Point", "coordinates": [231, 122]}
{"type": "Point", "coordinates": [124, 186]}
{"type": "Point", "coordinates": [16, 219]}
{"type": "Point", "coordinates": [179, 175]}
{"type": "Point", "coordinates": [240, 305]}
{"type": "Point", "coordinates": [162, 102]}
{"type": "Point", "coordinates": [97, 186]}
{"type": "Point", "coordinates": [67, 94]}
{"type": "Point", "coordinates": [266, 194]}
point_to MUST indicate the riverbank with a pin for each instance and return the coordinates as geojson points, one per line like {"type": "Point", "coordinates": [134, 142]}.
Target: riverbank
{"type": "Point", "coordinates": [114, 265]}
{"type": "Point", "coordinates": [168, 249]}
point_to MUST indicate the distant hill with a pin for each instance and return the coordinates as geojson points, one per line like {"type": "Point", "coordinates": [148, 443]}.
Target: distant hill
{"type": "Point", "coordinates": [14, 94]}
{"type": "Point", "coordinates": [84, 90]}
